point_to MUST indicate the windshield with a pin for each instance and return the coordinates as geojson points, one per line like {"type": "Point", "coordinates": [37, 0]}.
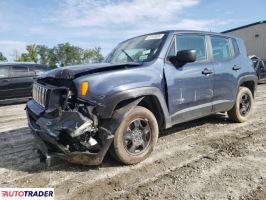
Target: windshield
{"type": "Point", "coordinates": [139, 49]}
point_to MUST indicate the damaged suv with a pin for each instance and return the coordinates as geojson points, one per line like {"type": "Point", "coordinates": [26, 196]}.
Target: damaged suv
{"type": "Point", "coordinates": [146, 84]}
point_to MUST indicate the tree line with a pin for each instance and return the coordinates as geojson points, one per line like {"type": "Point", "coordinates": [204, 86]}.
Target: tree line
{"type": "Point", "coordinates": [59, 55]}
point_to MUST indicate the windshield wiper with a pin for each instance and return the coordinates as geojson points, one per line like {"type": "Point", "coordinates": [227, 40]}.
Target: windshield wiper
{"type": "Point", "coordinates": [130, 58]}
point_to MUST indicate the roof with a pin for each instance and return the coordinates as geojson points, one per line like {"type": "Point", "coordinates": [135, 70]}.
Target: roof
{"type": "Point", "coordinates": [245, 26]}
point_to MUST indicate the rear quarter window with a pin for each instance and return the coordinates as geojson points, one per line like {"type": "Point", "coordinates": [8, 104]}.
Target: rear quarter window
{"type": "Point", "coordinates": [19, 71]}
{"type": "Point", "coordinates": [220, 48]}
{"type": "Point", "coordinates": [235, 47]}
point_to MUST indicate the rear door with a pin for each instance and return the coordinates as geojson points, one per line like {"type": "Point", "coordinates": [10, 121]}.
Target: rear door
{"type": "Point", "coordinates": [4, 82]}
{"type": "Point", "coordinates": [190, 87]}
{"type": "Point", "coordinates": [227, 67]}
{"type": "Point", "coordinates": [22, 80]}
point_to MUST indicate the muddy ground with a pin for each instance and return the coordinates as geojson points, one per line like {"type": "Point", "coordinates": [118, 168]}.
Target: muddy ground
{"type": "Point", "coordinates": [210, 158]}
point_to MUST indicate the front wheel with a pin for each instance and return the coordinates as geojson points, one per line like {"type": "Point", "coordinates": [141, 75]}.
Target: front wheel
{"type": "Point", "coordinates": [243, 106]}
{"type": "Point", "coordinates": [136, 136]}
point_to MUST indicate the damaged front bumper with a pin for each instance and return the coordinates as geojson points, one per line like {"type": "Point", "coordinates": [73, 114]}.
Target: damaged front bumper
{"type": "Point", "coordinates": [60, 136]}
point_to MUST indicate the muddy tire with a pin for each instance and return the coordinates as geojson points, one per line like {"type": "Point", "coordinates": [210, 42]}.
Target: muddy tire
{"type": "Point", "coordinates": [243, 107]}
{"type": "Point", "coordinates": [136, 136]}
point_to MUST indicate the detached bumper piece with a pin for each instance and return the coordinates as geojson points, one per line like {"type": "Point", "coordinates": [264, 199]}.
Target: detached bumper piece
{"type": "Point", "coordinates": [63, 137]}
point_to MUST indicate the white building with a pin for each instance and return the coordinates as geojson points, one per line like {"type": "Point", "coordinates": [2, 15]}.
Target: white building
{"type": "Point", "coordinates": [254, 36]}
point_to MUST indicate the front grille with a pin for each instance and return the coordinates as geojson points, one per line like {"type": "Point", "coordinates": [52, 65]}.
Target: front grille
{"type": "Point", "coordinates": [40, 94]}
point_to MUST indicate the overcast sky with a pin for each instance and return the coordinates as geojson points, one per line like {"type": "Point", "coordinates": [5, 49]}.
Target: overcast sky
{"type": "Point", "coordinates": [90, 23]}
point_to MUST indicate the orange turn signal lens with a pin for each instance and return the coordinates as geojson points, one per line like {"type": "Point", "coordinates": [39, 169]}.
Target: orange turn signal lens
{"type": "Point", "coordinates": [84, 88]}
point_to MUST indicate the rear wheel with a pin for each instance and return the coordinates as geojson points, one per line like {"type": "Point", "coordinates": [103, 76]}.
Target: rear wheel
{"type": "Point", "coordinates": [136, 136]}
{"type": "Point", "coordinates": [243, 106]}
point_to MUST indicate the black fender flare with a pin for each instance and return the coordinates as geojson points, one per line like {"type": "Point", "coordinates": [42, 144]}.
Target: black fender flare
{"type": "Point", "coordinates": [112, 101]}
{"type": "Point", "coordinates": [246, 78]}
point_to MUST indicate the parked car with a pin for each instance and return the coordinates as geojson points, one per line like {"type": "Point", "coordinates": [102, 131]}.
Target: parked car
{"type": "Point", "coordinates": [146, 84]}
{"type": "Point", "coordinates": [16, 80]}
{"type": "Point", "coordinates": [259, 67]}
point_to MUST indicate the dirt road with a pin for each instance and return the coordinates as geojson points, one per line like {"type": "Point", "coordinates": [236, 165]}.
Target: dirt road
{"type": "Point", "coordinates": [210, 158]}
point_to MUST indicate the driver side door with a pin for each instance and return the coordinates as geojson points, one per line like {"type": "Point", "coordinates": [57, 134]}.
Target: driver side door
{"type": "Point", "coordinates": [190, 87]}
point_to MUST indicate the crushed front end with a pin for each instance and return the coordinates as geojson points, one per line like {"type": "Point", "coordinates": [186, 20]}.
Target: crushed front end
{"type": "Point", "coordinates": [65, 126]}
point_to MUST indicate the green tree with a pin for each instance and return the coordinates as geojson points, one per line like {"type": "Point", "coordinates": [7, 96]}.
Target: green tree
{"type": "Point", "coordinates": [2, 57]}
{"type": "Point", "coordinates": [63, 54]}
{"type": "Point", "coordinates": [87, 56]}
{"type": "Point", "coordinates": [24, 57]}
{"type": "Point", "coordinates": [92, 55]}
{"type": "Point", "coordinates": [68, 54]}
{"type": "Point", "coordinates": [52, 58]}
{"type": "Point", "coordinates": [32, 53]}
{"type": "Point", "coordinates": [43, 54]}
{"type": "Point", "coordinates": [97, 54]}
{"type": "Point", "coordinates": [30, 56]}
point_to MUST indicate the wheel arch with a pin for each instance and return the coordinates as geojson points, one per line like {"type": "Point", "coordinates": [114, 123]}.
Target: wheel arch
{"type": "Point", "coordinates": [250, 82]}
{"type": "Point", "coordinates": [152, 103]}
{"type": "Point", "coordinates": [148, 97]}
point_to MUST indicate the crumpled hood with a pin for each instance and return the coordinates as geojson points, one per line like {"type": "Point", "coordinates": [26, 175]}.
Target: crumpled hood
{"type": "Point", "coordinates": [72, 72]}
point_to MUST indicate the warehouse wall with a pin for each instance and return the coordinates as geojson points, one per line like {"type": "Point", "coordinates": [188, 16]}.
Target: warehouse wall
{"type": "Point", "coordinates": [254, 38]}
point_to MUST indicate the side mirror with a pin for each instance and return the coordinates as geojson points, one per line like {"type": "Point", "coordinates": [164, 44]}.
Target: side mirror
{"type": "Point", "coordinates": [183, 57]}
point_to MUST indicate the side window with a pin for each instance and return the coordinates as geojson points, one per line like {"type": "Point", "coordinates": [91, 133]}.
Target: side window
{"type": "Point", "coordinates": [189, 41]}
{"type": "Point", "coordinates": [235, 46]}
{"type": "Point", "coordinates": [220, 48]}
{"type": "Point", "coordinates": [4, 72]}
{"type": "Point", "coordinates": [33, 71]}
{"type": "Point", "coordinates": [18, 71]}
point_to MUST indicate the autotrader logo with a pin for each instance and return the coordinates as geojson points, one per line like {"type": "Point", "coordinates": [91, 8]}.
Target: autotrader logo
{"type": "Point", "coordinates": [27, 193]}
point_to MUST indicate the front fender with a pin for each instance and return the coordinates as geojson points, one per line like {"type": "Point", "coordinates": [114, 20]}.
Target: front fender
{"type": "Point", "coordinates": [112, 101]}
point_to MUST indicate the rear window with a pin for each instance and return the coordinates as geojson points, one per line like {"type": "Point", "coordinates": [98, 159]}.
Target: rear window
{"type": "Point", "coordinates": [220, 48]}
{"type": "Point", "coordinates": [4, 72]}
{"type": "Point", "coordinates": [19, 71]}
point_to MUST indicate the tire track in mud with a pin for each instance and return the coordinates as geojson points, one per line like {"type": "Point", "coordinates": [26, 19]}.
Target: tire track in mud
{"type": "Point", "coordinates": [12, 117]}
{"type": "Point", "coordinates": [206, 156]}
{"type": "Point", "coordinates": [222, 174]}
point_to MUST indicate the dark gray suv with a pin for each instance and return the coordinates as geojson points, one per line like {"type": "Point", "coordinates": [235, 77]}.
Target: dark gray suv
{"type": "Point", "coordinates": [146, 84]}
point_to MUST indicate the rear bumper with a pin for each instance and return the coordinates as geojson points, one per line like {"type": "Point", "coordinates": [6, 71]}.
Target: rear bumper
{"type": "Point", "coordinates": [48, 142]}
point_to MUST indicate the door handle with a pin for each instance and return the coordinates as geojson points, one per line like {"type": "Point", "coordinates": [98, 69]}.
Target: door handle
{"type": "Point", "coordinates": [236, 67]}
{"type": "Point", "coordinates": [207, 71]}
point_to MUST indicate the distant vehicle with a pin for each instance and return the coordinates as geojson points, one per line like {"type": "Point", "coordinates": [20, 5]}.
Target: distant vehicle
{"type": "Point", "coordinates": [259, 67]}
{"type": "Point", "coordinates": [16, 80]}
